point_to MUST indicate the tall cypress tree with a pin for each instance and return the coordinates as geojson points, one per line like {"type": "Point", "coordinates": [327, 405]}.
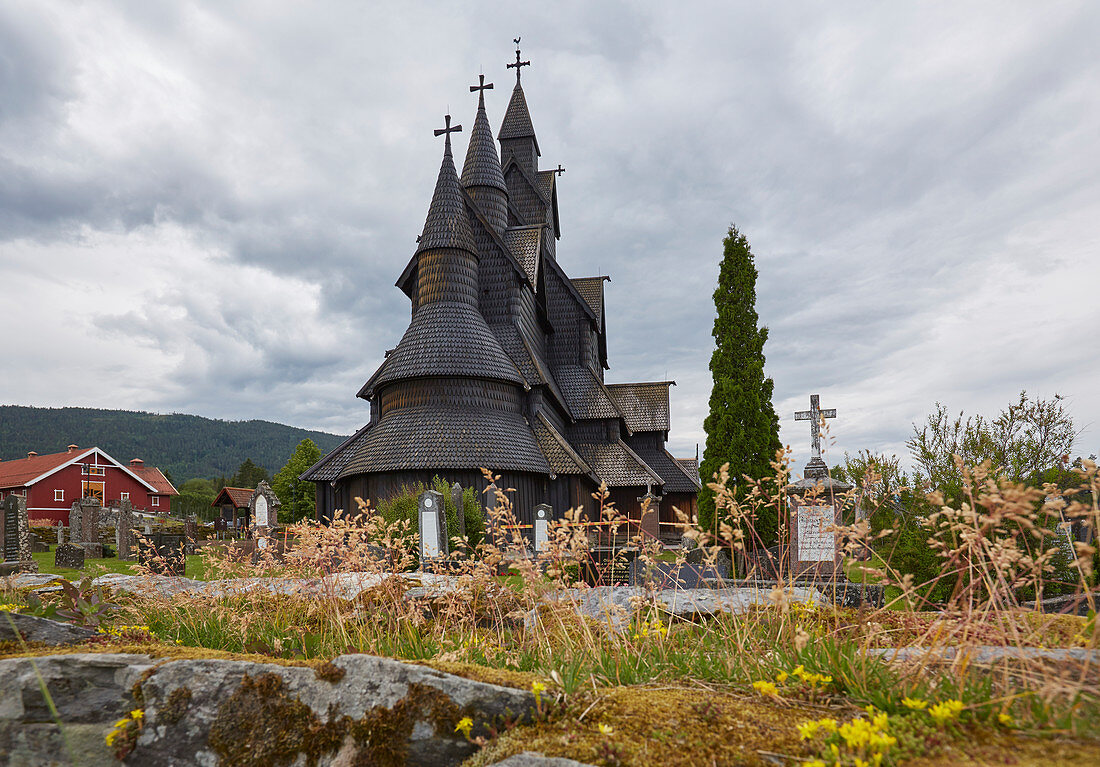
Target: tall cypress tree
{"type": "Point", "coordinates": [742, 427]}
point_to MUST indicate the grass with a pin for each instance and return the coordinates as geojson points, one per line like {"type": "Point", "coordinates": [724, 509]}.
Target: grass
{"type": "Point", "coordinates": [195, 567]}
{"type": "Point", "coordinates": [720, 689]}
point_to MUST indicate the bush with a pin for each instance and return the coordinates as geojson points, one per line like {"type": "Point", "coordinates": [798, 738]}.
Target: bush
{"type": "Point", "coordinates": [404, 505]}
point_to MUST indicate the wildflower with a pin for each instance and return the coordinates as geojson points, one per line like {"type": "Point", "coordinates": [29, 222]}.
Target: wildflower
{"type": "Point", "coordinates": [781, 677]}
{"type": "Point", "coordinates": [1006, 719]}
{"type": "Point", "coordinates": [814, 763]}
{"type": "Point", "coordinates": [137, 714]}
{"type": "Point", "coordinates": [829, 724]}
{"type": "Point", "coordinates": [538, 687]}
{"type": "Point", "coordinates": [807, 730]}
{"type": "Point", "coordinates": [916, 704]}
{"type": "Point", "coordinates": [946, 711]}
{"type": "Point", "coordinates": [465, 724]}
{"type": "Point", "coordinates": [5, 608]}
{"type": "Point", "coordinates": [766, 688]}
{"type": "Point", "coordinates": [606, 729]}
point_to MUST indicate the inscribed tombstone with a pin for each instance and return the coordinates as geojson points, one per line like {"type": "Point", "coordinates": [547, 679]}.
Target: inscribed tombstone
{"type": "Point", "coordinates": [68, 555]}
{"type": "Point", "coordinates": [815, 542]}
{"type": "Point", "coordinates": [433, 526]}
{"type": "Point", "coordinates": [542, 525]}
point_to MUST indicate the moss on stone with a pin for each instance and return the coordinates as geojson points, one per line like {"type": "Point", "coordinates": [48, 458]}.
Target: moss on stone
{"type": "Point", "coordinates": [502, 677]}
{"type": "Point", "coordinates": [327, 671]}
{"type": "Point", "coordinates": [175, 706]}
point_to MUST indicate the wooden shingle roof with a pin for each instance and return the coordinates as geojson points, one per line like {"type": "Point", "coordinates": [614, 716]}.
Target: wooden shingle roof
{"type": "Point", "coordinates": [563, 459]}
{"type": "Point", "coordinates": [617, 465]}
{"type": "Point", "coordinates": [644, 405]}
{"type": "Point", "coordinates": [517, 119]}
{"type": "Point", "coordinates": [431, 437]}
{"type": "Point", "coordinates": [586, 394]}
{"type": "Point", "coordinates": [330, 466]}
{"type": "Point", "coordinates": [676, 479]}
{"type": "Point", "coordinates": [482, 165]}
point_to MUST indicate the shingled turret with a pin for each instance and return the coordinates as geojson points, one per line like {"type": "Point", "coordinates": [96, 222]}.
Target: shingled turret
{"type": "Point", "coordinates": [517, 133]}
{"type": "Point", "coordinates": [481, 173]}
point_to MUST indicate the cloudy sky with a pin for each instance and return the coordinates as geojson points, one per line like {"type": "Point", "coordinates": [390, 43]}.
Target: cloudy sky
{"type": "Point", "coordinates": [204, 205]}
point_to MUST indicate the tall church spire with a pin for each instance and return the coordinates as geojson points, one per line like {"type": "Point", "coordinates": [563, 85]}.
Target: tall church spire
{"type": "Point", "coordinates": [447, 224]}
{"type": "Point", "coordinates": [517, 134]}
{"type": "Point", "coordinates": [481, 173]}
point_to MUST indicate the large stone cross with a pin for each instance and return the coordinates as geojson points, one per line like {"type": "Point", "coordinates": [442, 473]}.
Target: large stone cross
{"type": "Point", "coordinates": [815, 415]}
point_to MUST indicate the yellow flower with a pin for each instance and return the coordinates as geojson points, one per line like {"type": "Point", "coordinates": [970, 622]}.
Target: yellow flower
{"type": "Point", "coordinates": [1006, 719]}
{"type": "Point", "coordinates": [606, 729]}
{"type": "Point", "coordinates": [781, 677]}
{"type": "Point", "coordinates": [807, 730]}
{"type": "Point", "coordinates": [914, 703]}
{"type": "Point", "coordinates": [465, 724]}
{"type": "Point", "coordinates": [829, 725]}
{"type": "Point", "coordinates": [137, 713]}
{"type": "Point", "coordinates": [538, 687]}
{"type": "Point", "coordinates": [946, 711]}
{"type": "Point", "coordinates": [814, 763]}
{"type": "Point", "coordinates": [766, 688]}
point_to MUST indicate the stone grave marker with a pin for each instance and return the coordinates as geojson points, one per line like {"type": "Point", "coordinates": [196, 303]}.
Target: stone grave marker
{"type": "Point", "coordinates": [69, 555]}
{"type": "Point", "coordinates": [84, 527]}
{"type": "Point", "coordinates": [124, 531]}
{"type": "Point", "coordinates": [650, 524]}
{"type": "Point", "coordinates": [433, 527]}
{"type": "Point", "coordinates": [15, 535]}
{"type": "Point", "coordinates": [460, 516]}
{"type": "Point", "coordinates": [542, 526]}
{"type": "Point", "coordinates": [263, 510]}
{"type": "Point", "coordinates": [60, 533]}
{"type": "Point", "coordinates": [816, 504]}
{"type": "Point", "coordinates": [191, 532]}
{"type": "Point", "coordinates": [162, 553]}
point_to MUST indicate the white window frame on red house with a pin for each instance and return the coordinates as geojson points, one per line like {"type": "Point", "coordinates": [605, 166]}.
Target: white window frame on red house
{"type": "Point", "coordinates": [59, 495]}
{"type": "Point", "coordinates": [124, 496]}
{"type": "Point", "coordinates": [156, 500]}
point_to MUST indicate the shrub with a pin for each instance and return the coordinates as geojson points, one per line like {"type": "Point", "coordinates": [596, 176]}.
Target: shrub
{"type": "Point", "coordinates": [404, 505]}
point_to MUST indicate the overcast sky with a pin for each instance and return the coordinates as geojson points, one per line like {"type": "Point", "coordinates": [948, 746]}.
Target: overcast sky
{"type": "Point", "coordinates": [204, 205]}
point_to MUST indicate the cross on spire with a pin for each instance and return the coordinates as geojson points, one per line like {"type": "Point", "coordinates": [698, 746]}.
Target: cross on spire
{"type": "Point", "coordinates": [815, 415]}
{"type": "Point", "coordinates": [448, 131]}
{"type": "Point", "coordinates": [481, 87]}
{"type": "Point", "coordinates": [559, 170]}
{"type": "Point", "coordinates": [517, 64]}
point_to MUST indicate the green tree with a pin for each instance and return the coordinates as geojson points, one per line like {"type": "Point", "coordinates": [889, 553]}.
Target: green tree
{"type": "Point", "coordinates": [195, 497]}
{"type": "Point", "coordinates": [248, 475]}
{"type": "Point", "coordinates": [742, 427]}
{"type": "Point", "coordinates": [1027, 438]}
{"type": "Point", "coordinates": [297, 496]}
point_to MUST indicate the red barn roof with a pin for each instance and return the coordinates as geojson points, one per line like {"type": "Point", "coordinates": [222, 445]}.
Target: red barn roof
{"type": "Point", "coordinates": [238, 496]}
{"type": "Point", "coordinates": [23, 472]}
{"type": "Point", "coordinates": [154, 477]}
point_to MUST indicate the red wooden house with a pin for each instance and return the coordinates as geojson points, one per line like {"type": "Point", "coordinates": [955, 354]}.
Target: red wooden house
{"type": "Point", "coordinates": [51, 483]}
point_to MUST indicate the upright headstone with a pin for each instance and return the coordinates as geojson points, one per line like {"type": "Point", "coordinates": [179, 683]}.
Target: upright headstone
{"type": "Point", "coordinates": [542, 526]}
{"type": "Point", "coordinates": [492, 528]}
{"type": "Point", "coordinates": [650, 523]}
{"type": "Point", "coordinates": [124, 531]}
{"type": "Point", "coordinates": [263, 509]}
{"type": "Point", "coordinates": [89, 528]}
{"type": "Point", "coordinates": [163, 553]}
{"type": "Point", "coordinates": [816, 505]}
{"type": "Point", "coordinates": [433, 527]}
{"type": "Point", "coordinates": [460, 516]}
{"type": "Point", "coordinates": [69, 555]}
{"type": "Point", "coordinates": [191, 533]}
{"type": "Point", "coordinates": [60, 533]}
{"type": "Point", "coordinates": [15, 532]}
{"type": "Point", "coordinates": [75, 524]}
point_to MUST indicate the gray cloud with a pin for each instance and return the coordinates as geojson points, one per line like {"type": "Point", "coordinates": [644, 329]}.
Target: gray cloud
{"type": "Point", "coordinates": [918, 184]}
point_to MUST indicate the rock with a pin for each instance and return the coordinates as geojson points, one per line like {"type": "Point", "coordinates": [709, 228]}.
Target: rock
{"type": "Point", "coordinates": [534, 759]}
{"type": "Point", "coordinates": [34, 629]}
{"type": "Point", "coordinates": [206, 712]}
{"type": "Point", "coordinates": [68, 555]}
{"type": "Point", "coordinates": [614, 605]}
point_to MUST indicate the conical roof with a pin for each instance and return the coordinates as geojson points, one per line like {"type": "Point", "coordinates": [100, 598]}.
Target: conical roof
{"type": "Point", "coordinates": [482, 166]}
{"type": "Point", "coordinates": [517, 120]}
{"type": "Point", "coordinates": [447, 225]}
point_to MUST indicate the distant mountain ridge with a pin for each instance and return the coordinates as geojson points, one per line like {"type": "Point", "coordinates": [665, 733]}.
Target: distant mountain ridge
{"type": "Point", "coordinates": [185, 446]}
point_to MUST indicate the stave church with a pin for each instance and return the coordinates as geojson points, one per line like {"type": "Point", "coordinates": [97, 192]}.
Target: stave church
{"type": "Point", "coordinates": [502, 365]}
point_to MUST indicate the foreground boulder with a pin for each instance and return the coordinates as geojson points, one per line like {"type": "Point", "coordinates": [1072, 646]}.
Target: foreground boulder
{"type": "Point", "coordinates": [359, 709]}
{"type": "Point", "coordinates": [15, 627]}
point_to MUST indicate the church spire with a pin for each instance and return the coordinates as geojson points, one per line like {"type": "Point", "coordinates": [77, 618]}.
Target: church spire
{"type": "Point", "coordinates": [517, 134]}
{"type": "Point", "coordinates": [481, 173]}
{"type": "Point", "coordinates": [447, 225]}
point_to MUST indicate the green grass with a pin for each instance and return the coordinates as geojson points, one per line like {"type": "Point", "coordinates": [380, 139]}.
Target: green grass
{"type": "Point", "coordinates": [97, 567]}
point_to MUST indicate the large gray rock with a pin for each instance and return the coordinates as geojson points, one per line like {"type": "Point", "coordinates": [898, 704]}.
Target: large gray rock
{"type": "Point", "coordinates": [204, 712]}
{"type": "Point", "coordinates": [32, 629]}
{"type": "Point", "coordinates": [534, 759]}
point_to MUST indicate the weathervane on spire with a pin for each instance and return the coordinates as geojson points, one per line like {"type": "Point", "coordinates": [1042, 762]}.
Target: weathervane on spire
{"type": "Point", "coordinates": [518, 63]}
{"type": "Point", "coordinates": [482, 87]}
{"type": "Point", "coordinates": [448, 131]}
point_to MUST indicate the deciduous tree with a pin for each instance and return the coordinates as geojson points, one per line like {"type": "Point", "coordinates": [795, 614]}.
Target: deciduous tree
{"type": "Point", "coordinates": [297, 496]}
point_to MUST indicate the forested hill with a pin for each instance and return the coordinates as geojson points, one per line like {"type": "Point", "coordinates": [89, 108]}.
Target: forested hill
{"type": "Point", "coordinates": [185, 446]}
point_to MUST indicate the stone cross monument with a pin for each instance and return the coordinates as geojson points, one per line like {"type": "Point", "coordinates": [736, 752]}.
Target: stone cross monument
{"type": "Point", "coordinates": [816, 506]}
{"type": "Point", "coordinates": [542, 526]}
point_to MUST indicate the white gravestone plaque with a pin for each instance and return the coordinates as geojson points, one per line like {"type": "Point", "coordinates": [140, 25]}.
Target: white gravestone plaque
{"type": "Point", "coordinates": [815, 543]}
{"type": "Point", "coordinates": [429, 530]}
{"type": "Point", "coordinates": [542, 522]}
{"type": "Point", "coordinates": [261, 511]}
{"type": "Point", "coordinates": [1065, 541]}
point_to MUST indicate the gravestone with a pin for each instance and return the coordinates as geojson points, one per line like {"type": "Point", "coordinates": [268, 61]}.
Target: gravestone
{"type": "Point", "coordinates": [650, 524]}
{"type": "Point", "coordinates": [191, 532]}
{"type": "Point", "coordinates": [816, 505]}
{"type": "Point", "coordinates": [162, 553]}
{"type": "Point", "coordinates": [39, 546]}
{"type": "Point", "coordinates": [263, 510]}
{"type": "Point", "coordinates": [492, 528]}
{"type": "Point", "coordinates": [124, 531]}
{"type": "Point", "coordinates": [15, 535]}
{"type": "Point", "coordinates": [460, 515]}
{"type": "Point", "coordinates": [84, 527]}
{"type": "Point", "coordinates": [542, 526]}
{"type": "Point", "coordinates": [69, 555]}
{"type": "Point", "coordinates": [60, 533]}
{"type": "Point", "coordinates": [432, 520]}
